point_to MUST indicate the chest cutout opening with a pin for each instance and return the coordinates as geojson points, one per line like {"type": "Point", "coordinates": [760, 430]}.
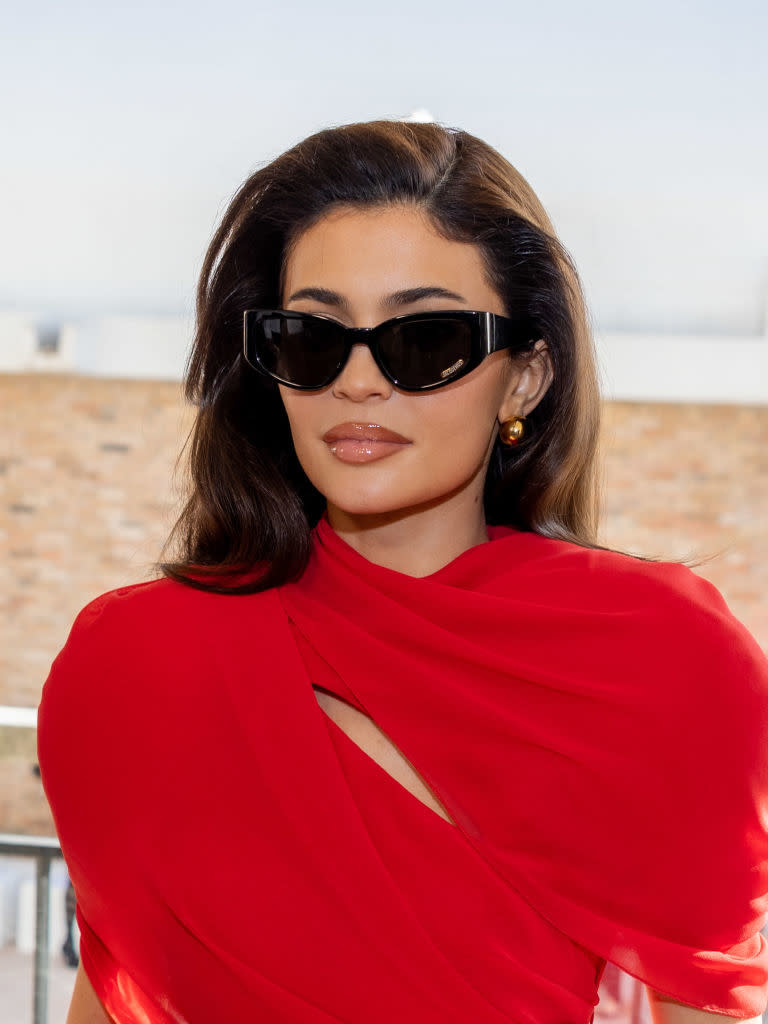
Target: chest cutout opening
{"type": "Point", "coordinates": [368, 737]}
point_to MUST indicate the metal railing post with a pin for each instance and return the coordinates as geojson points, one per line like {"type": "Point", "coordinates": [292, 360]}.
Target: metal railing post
{"type": "Point", "coordinates": [43, 849]}
{"type": "Point", "coordinates": [43, 887]}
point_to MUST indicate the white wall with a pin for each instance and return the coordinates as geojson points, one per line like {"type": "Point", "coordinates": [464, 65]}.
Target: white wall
{"type": "Point", "coordinates": [684, 368]}
{"type": "Point", "coordinates": [634, 366]}
{"type": "Point", "coordinates": [131, 346]}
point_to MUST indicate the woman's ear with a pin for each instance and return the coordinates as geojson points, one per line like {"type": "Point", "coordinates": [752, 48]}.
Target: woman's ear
{"type": "Point", "coordinates": [531, 377]}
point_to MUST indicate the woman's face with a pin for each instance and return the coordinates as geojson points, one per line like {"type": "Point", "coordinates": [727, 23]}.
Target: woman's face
{"type": "Point", "coordinates": [369, 448]}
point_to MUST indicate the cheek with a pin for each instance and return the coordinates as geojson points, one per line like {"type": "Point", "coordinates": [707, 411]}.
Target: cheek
{"type": "Point", "coordinates": [300, 416]}
{"type": "Point", "coordinates": [303, 424]}
{"type": "Point", "coordinates": [467, 417]}
{"type": "Point", "coordinates": [464, 446]}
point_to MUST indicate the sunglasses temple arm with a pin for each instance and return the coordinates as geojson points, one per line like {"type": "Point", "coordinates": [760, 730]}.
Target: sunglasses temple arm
{"type": "Point", "coordinates": [501, 335]}
{"type": "Point", "coordinates": [498, 334]}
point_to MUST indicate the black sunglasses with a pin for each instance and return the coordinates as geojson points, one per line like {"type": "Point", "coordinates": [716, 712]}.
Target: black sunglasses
{"type": "Point", "coordinates": [416, 352]}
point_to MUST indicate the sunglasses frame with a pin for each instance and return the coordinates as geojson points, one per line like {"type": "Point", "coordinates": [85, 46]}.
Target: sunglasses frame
{"type": "Point", "coordinates": [490, 332]}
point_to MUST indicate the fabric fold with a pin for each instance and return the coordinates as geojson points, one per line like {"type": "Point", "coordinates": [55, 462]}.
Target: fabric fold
{"type": "Point", "coordinates": [596, 726]}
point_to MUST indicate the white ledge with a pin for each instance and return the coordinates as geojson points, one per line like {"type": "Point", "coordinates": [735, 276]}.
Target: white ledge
{"type": "Point", "coordinates": [24, 718]}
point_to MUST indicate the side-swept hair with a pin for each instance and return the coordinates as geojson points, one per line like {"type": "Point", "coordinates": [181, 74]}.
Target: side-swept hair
{"type": "Point", "coordinates": [251, 504]}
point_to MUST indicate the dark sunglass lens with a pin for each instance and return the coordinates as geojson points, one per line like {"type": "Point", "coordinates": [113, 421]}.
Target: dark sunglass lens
{"type": "Point", "coordinates": [426, 353]}
{"type": "Point", "coordinates": [304, 351]}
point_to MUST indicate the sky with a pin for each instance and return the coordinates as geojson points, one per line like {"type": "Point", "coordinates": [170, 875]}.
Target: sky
{"type": "Point", "coordinates": [641, 126]}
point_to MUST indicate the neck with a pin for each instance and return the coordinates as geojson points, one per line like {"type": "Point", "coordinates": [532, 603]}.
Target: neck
{"type": "Point", "coordinates": [413, 542]}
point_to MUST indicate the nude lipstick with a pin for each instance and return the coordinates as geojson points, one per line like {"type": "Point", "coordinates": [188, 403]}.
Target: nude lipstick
{"type": "Point", "coordinates": [358, 443]}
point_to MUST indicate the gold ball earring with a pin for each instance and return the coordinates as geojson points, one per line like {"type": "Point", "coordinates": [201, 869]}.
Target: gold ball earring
{"type": "Point", "coordinates": [511, 431]}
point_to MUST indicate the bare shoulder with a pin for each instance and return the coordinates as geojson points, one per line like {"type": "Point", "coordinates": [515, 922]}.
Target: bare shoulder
{"type": "Point", "coordinates": [665, 1010]}
{"type": "Point", "coordinates": [85, 1007]}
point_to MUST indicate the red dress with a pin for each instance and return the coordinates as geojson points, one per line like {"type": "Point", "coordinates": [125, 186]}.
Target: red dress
{"type": "Point", "coordinates": [596, 727]}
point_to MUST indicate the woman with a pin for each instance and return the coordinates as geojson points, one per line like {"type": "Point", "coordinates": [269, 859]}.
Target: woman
{"type": "Point", "coordinates": [394, 740]}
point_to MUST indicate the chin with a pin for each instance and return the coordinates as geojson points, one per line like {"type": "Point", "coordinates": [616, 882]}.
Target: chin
{"type": "Point", "coordinates": [385, 506]}
{"type": "Point", "coordinates": [371, 507]}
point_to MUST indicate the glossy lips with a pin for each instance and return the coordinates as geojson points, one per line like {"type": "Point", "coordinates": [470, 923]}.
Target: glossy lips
{"type": "Point", "coordinates": [363, 442]}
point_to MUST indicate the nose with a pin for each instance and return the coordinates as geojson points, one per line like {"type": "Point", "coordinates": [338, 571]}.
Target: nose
{"type": "Point", "coordinates": [360, 377]}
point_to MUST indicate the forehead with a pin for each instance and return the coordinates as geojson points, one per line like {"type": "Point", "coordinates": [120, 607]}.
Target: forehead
{"type": "Point", "coordinates": [376, 250]}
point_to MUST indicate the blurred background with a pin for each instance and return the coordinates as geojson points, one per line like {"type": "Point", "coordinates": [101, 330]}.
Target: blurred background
{"type": "Point", "coordinates": [126, 130]}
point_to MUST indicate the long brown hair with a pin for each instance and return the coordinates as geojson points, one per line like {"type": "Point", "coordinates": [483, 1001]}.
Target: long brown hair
{"type": "Point", "coordinates": [250, 502]}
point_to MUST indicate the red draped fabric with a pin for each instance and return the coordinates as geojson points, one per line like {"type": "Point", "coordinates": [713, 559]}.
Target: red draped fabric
{"type": "Point", "coordinates": [596, 727]}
